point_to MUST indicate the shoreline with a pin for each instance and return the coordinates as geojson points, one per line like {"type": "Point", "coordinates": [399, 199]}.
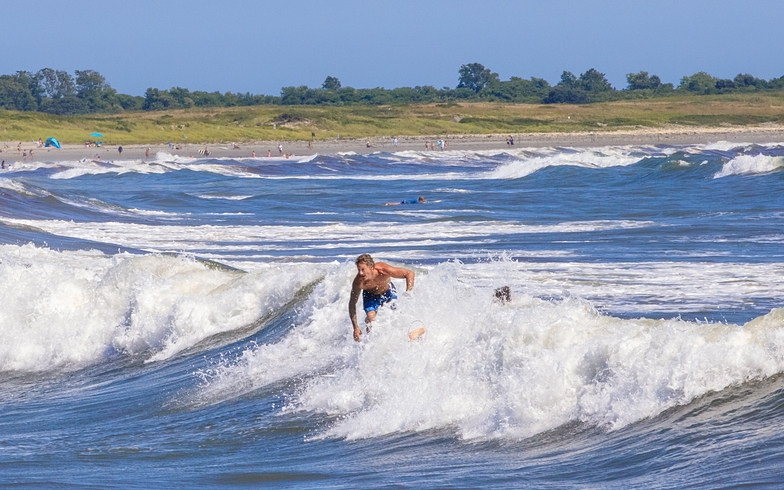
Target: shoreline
{"type": "Point", "coordinates": [675, 136]}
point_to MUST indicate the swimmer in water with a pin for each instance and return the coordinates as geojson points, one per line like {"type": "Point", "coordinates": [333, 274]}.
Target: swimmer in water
{"type": "Point", "coordinates": [420, 200]}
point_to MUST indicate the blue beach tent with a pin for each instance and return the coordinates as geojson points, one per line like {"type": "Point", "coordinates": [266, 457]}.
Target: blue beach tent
{"type": "Point", "coordinates": [52, 142]}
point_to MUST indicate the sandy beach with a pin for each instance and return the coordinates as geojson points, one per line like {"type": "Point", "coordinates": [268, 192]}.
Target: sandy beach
{"type": "Point", "coordinates": [672, 135]}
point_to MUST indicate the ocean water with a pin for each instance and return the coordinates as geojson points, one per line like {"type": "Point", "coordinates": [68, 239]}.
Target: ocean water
{"type": "Point", "coordinates": [183, 322]}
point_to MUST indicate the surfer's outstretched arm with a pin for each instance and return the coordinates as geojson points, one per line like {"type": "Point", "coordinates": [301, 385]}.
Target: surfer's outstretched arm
{"type": "Point", "coordinates": [397, 273]}
{"type": "Point", "coordinates": [352, 308]}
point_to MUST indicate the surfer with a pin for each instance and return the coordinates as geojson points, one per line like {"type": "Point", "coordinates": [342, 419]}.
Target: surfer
{"type": "Point", "coordinates": [419, 200]}
{"type": "Point", "coordinates": [374, 280]}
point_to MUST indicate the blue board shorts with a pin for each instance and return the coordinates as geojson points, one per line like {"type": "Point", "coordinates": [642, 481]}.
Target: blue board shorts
{"type": "Point", "coordinates": [373, 302]}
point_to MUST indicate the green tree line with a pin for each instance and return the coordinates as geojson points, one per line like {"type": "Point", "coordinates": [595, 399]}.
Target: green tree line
{"type": "Point", "coordinates": [87, 91]}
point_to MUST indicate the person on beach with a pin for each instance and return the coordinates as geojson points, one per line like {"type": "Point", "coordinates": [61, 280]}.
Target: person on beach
{"type": "Point", "coordinates": [119, 149]}
{"type": "Point", "coordinates": [419, 200]}
{"type": "Point", "coordinates": [374, 281]}
{"type": "Point", "coordinates": [280, 148]}
{"type": "Point", "coordinates": [3, 164]}
{"type": "Point", "coordinates": [147, 154]}
{"type": "Point", "coordinates": [269, 153]}
{"type": "Point", "coordinates": [253, 154]}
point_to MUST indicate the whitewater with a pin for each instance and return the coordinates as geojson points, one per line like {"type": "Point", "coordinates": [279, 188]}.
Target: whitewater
{"type": "Point", "coordinates": [184, 321]}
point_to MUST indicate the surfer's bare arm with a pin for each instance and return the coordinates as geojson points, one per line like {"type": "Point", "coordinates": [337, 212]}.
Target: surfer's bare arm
{"type": "Point", "coordinates": [397, 273]}
{"type": "Point", "coordinates": [352, 308]}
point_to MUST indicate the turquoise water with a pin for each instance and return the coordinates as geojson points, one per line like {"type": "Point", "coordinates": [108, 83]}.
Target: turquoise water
{"type": "Point", "coordinates": [184, 321]}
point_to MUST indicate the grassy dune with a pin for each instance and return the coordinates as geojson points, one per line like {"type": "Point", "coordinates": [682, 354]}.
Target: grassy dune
{"type": "Point", "coordinates": [298, 122]}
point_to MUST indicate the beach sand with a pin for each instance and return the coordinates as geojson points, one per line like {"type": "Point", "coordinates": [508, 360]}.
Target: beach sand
{"type": "Point", "coordinates": [671, 135]}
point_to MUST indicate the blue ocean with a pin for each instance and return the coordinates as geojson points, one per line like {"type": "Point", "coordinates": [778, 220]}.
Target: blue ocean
{"type": "Point", "coordinates": [183, 323]}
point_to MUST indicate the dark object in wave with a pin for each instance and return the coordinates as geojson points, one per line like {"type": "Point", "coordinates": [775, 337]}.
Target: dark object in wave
{"type": "Point", "coordinates": [503, 294]}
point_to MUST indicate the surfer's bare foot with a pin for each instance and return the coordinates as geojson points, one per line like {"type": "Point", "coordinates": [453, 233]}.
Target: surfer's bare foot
{"type": "Point", "coordinates": [415, 334]}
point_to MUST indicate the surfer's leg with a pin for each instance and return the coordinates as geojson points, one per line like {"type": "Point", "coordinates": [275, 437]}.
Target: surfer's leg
{"type": "Point", "coordinates": [371, 315]}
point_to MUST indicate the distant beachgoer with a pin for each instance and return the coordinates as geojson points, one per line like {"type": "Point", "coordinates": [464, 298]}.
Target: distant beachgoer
{"type": "Point", "coordinates": [394, 142]}
{"type": "Point", "coordinates": [119, 149]}
{"type": "Point", "coordinates": [147, 154]}
{"type": "Point", "coordinates": [511, 140]}
{"type": "Point", "coordinates": [368, 145]}
{"type": "Point", "coordinates": [446, 144]}
{"type": "Point", "coordinates": [19, 147]}
{"type": "Point", "coordinates": [3, 164]}
{"type": "Point", "coordinates": [269, 153]}
{"type": "Point", "coordinates": [253, 154]}
{"type": "Point", "coordinates": [310, 145]}
{"type": "Point", "coordinates": [419, 200]}
{"type": "Point", "coordinates": [31, 154]}
{"type": "Point", "coordinates": [280, 148]}
{"type": "Point", "coordinates": [427, 144]}
{"type": "Point", "coordinates": [24, 155]}
{"type": "Point", "coordinates": [374, 281]}
{"type": "Point", "coordinates": [313, 135]}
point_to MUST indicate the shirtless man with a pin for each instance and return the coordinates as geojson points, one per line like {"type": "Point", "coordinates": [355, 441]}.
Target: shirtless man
{"type": "Point", "coordinates": [374, 280]}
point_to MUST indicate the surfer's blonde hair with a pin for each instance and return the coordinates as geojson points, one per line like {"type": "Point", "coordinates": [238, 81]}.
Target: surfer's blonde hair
{"type": "Point", "coordinates": [365, 259]}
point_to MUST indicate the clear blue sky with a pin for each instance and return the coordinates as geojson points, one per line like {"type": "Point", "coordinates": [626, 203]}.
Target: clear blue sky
{"type": "Point", "coordinates": [261, 46]}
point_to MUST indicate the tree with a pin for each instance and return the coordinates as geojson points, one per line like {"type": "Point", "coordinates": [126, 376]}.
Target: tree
{"type": "Point", "coordinates": [157, 100]}
{"type": "Point", "coordinates": [331, 83]}
{"type": "Point", "coordinates": [746, 80]}
{"type": "Point", "coordinates": [641, 81]}
{"type": "Point", "coordinates": [15, 94]}
{"type": "Point", "coordinates": [68, 105]}
{"type": "Point", "coordinates": [476, 77]}
{"type": "Point", "coordinates": [725, 85]}
{"type": "Point", "coordinates": [568, 80]}
{"type": "Point", "coordinates": [90, 84]}
{"type": "Point", "coordinates": [182, 97]}
{"type": "Point", "coordinates": [594, 81]}
{"type": "Point", "coordinates": [56, 83]}
{"type": "Point", "coordinates": [700, 83]}
{"type": "Point", "coordinates": [568, 91]}
{"type": "Point", "coordinates": [562, 94]}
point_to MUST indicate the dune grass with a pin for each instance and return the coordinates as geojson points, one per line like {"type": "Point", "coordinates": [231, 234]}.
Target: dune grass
{"type": "Point", "coordinates": [240, 124]}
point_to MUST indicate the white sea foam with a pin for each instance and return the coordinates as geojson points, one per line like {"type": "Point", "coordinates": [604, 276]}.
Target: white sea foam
{"type": "Point", "coordinates": [24, 189]}
{"type": "Point", "coordinates": [65, 310]}
{"type": "Point", "coordinates": [589, 159]}
{"type": "Point", "coordinates": [228, 198]}
{"type": "Point", "coordinates": [262, 238]}
{"type": "Point", "coordinates": [724, 145]}
{"type": "Point", "coordinates": [750, 165]}
{"type": "Point", "coordinates": [490, 371]}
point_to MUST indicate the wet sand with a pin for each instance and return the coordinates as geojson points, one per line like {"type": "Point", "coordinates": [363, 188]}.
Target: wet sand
{"type": "Point", "coordinates": [671, 135]}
